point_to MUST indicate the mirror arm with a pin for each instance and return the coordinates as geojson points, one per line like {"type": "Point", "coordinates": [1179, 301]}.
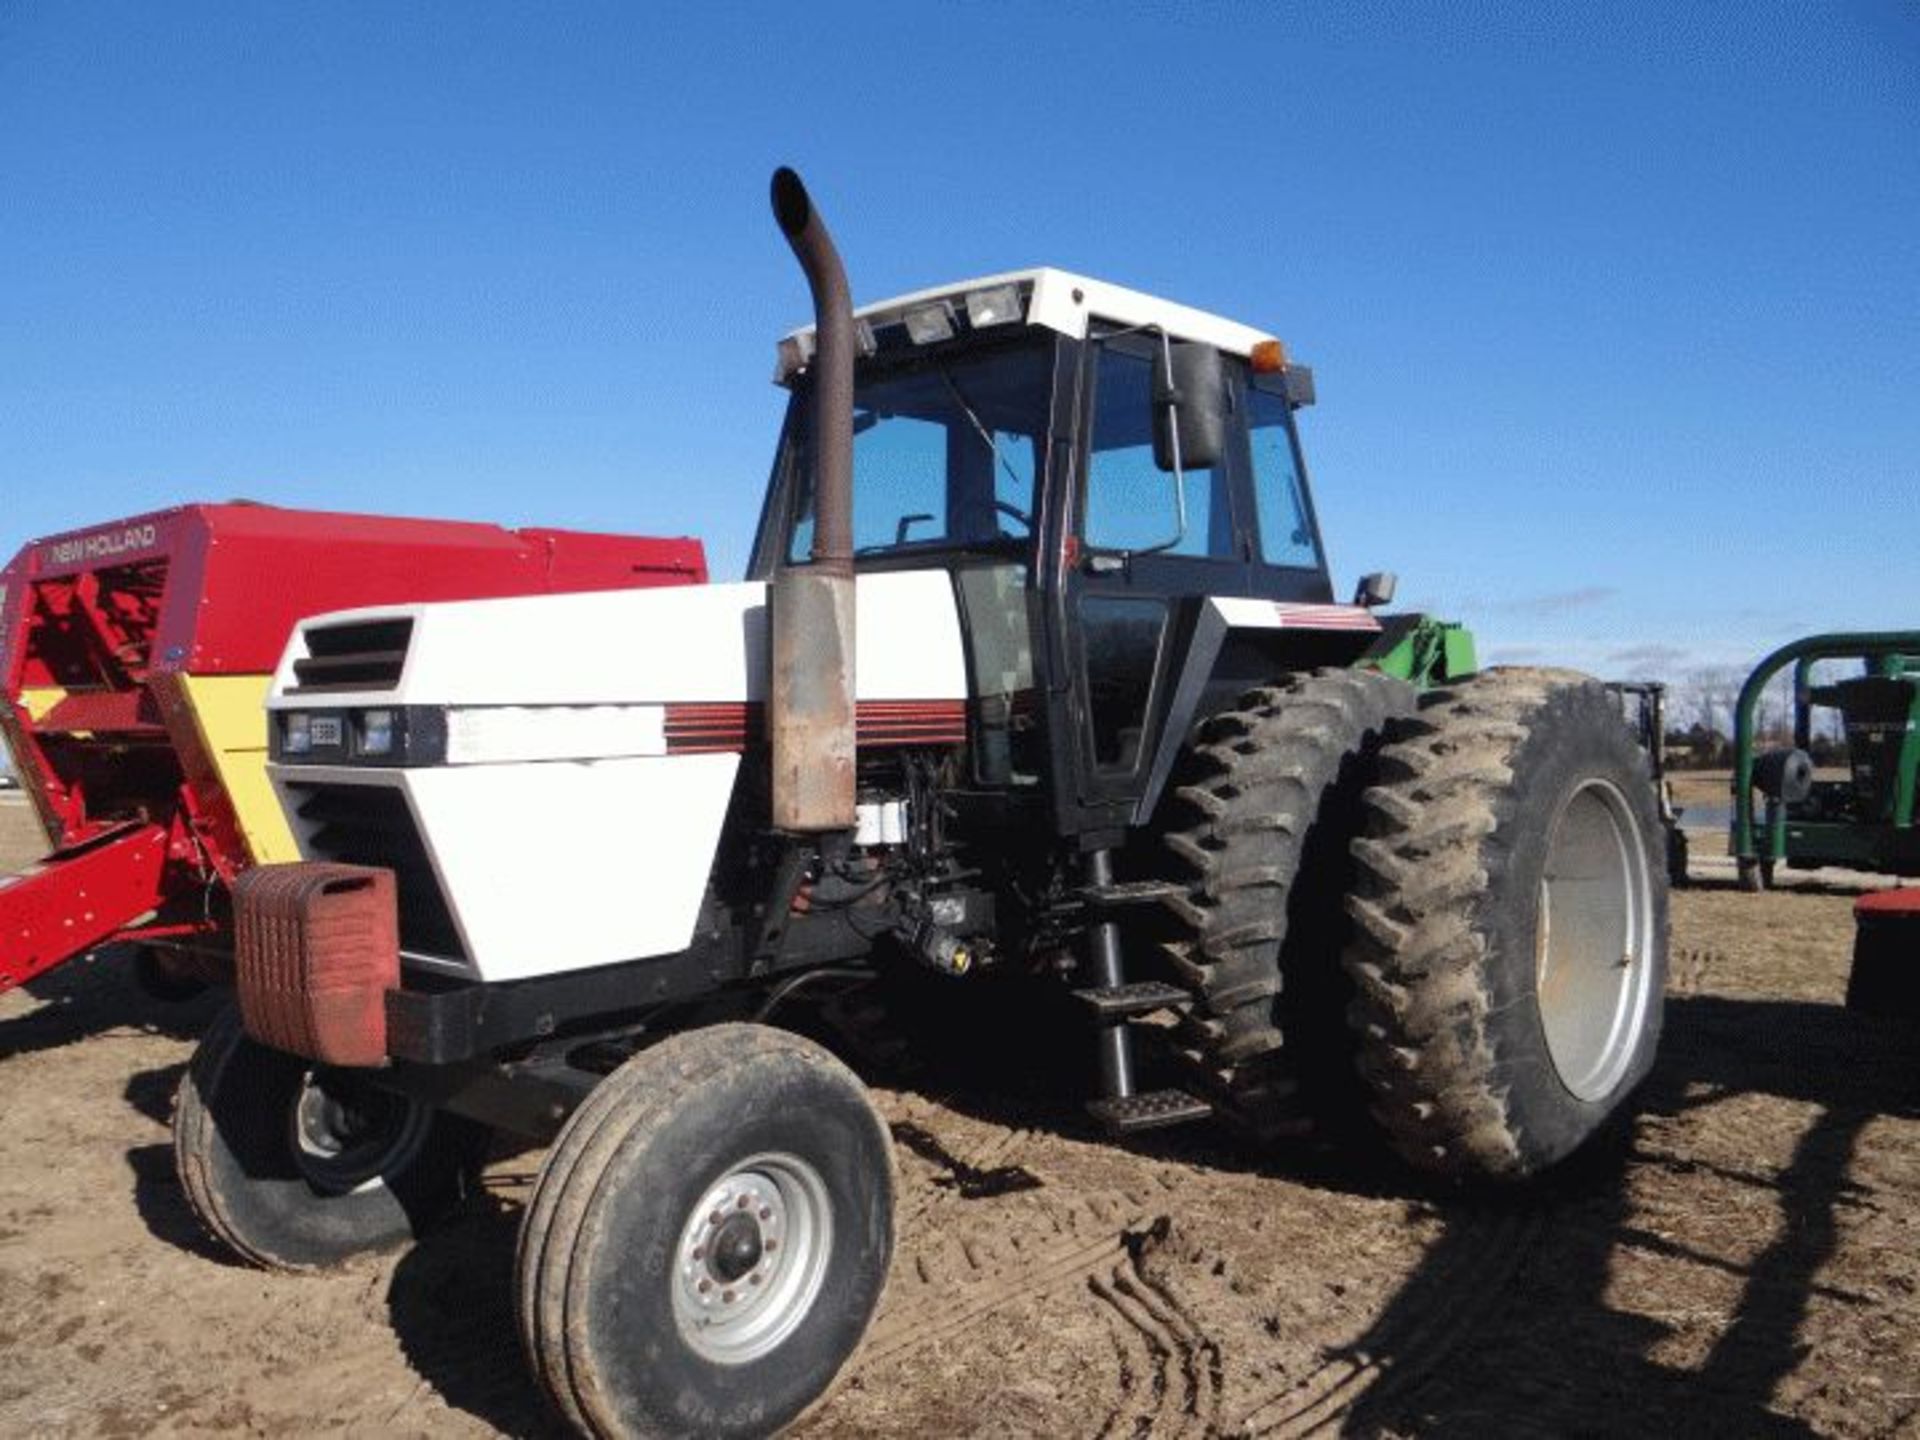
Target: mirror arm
{"type": "Point", "coordinates": [1173, 444]}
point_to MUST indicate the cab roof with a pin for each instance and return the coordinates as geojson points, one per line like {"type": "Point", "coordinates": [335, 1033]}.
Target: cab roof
{"type": "Point", "coordinates": [1055, 299]}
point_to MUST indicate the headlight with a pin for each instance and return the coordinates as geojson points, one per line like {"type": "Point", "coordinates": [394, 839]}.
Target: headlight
{"type": "Point", "coordinates": [993, 307]}
{"type": "Point", "coordinates": [297, 736]}
{"type": "Point", "coordinates": [930, 324]}
{"type": "Point", "coordinates": [376, 732]}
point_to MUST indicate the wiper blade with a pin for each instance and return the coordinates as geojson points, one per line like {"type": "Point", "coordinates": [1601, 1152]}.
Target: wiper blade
{"type": "Point", "coordinates": [986, 437]}
{"type": "Point", "coordinates": [975, 545]}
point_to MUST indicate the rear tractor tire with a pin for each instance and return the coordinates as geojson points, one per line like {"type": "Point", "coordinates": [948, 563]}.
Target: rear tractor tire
{"type": "Point", "coordinates": [1510, 945]}
{"type": "Point", "coordinates": [1255, 826]}
{"type": "Point", "coordinates": [295, 1166]}
{"type": "Point", "coordinates": [708, 1239]}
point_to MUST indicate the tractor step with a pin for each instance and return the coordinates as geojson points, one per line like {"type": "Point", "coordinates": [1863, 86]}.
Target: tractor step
{"type": "Point", "coordinates": [1122, 894]}
{"type": "Point", "coordinates": [1149, 1110]}
{"type": "Point", "coordinates": [1141, 997]}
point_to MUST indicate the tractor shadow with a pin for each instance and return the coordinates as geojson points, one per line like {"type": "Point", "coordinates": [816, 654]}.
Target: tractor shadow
{"type": "Point", "coordinates": [451, 1304]}
{"type": "Point", "coordinates": [158, 1197]}
{"type": "Point", "coordinates": [163, 1208]}
{"type": "Point", "coordinates": [1554, 1331]}
{"type": "Point", "coordinates": [1553, 1352]}
{"type": "Point", "coordinates": [1034, 1074]}
{"type": "Point", "coordinates": [150, 1092]}
{"type": "Point", "coordinates": [94, 994]}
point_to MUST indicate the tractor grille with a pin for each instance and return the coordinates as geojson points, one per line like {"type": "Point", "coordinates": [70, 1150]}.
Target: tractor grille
{"type": "Point", "coordinates": [371, 825]}
{"type": "Point", "coordinates": [366, 655]}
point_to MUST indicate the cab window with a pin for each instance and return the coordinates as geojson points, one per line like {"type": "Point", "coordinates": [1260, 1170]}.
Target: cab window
{"type": "Point", "coordinates": [1286, 525]}
{"type": "Point", "coordinates": [1131, 504]}
{"type": "Point", "coordinates": [944, 454]}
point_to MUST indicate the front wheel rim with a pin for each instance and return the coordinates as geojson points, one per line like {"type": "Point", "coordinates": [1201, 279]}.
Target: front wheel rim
{"type": "Point", "coordinates": [752, 1258]}
{"type": "Point", "coordinates": [349, 1136]}
{"type": "Point", "coordinates": [1593, 975]}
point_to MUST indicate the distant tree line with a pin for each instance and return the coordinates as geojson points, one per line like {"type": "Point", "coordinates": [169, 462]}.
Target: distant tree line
{"type": "Point", "coordinates": [1700, 715]}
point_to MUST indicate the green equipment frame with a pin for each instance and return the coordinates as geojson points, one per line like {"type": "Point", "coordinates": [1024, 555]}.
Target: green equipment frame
{"type": "Point", "coordinates": [1813, 834]}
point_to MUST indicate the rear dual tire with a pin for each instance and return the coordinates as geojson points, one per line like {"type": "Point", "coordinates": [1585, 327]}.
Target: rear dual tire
{"type": "Point", "coordinates": [1501, 957]}
{"type": "Point", "coordinates": [1510, 945]}
{"type": "Point", "coordinates": [1254, 827]}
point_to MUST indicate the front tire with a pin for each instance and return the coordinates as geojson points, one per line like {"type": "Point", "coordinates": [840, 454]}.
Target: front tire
{"type": "Point", "coordinates": [1510, 951]}
{"type": "Point", "coordinates": [294, 1166]}
{"type": "Point", "coordinates": [708, 1239]}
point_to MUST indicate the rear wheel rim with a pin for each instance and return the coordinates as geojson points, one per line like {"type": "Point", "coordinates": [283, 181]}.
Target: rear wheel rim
{"type": "Point", "coordinates": [752, 1258]}
{"type": "Point", "coordinates": [1593, 972]}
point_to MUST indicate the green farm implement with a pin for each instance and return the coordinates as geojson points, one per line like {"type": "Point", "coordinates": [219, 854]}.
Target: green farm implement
{"type": "Point", "coordinates": [1865, 821]}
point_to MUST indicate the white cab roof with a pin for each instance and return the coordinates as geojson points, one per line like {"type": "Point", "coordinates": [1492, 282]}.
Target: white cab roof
{"type": "Point", "coordinates": [1065, 302]}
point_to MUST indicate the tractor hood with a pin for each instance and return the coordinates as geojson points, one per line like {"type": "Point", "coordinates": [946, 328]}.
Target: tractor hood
{"type": "Point", "coordinates": [582, 749]}
{"type": "Point", "coordinates": [657, 653]}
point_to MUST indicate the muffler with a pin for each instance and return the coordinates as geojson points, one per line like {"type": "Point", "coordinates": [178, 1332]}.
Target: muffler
{"type": "Point", "coordinates": [810, 694]}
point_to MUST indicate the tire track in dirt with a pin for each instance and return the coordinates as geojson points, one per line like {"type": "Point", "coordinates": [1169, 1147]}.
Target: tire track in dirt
{"type": "Point", "coordinates": [1687, 969]}
{"type": "Point", "coordinates": [1172, 1373]}
{"type": "Point", "coordinates": [1187, 1378]}
{"type": "Point", "coordinates": [1141, 1377]}
{"type": "Point", "coordinates": [950, 1282]}
{"type": "Point", "coordinates": [1399, 1358]}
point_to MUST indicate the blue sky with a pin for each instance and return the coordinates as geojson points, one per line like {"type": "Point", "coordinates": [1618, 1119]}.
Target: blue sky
{"type": "Point", "coordinates": [1615, 312]}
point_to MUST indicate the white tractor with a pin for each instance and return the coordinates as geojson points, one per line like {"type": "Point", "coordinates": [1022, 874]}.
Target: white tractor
{"type": "Point", "coordinates": [1039, 680]}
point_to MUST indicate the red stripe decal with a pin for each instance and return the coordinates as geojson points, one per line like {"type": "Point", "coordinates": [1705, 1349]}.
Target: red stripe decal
{"type": "Point", "coordinates": [1326, 617]}
{"type": "Point", "coordinates": [712, 728]}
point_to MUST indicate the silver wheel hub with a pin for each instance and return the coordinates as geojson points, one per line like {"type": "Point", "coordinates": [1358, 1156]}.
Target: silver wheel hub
{"type": "Point", "coordinates": [1593, 972]}
{"type": "Point", "coordinates": [751, 1258]}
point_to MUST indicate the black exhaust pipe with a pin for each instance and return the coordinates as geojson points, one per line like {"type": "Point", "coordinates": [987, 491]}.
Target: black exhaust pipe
{"type": "Point", "coordinates": [810, 693]}
{"type": "Point", "coordinates": [830, 371]}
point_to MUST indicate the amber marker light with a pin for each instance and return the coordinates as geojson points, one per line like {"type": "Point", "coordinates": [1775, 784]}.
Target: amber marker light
{"type": "Point", "coordinates": [1269, 357]}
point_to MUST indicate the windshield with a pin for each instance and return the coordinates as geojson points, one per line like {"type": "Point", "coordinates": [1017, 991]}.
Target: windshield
{"type": "Point", "coordinates": [945, 454]}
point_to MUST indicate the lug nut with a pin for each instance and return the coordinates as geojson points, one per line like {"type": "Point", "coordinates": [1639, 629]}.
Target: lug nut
{"type": "Point", "coordinates": [705, 1285]}
{"type": "Point", "coordinates": [765, 1213]}
{"type": "Point", "coordinates": [772, 1244]}
{"type": "Point", "coordinates": [727, 1295]}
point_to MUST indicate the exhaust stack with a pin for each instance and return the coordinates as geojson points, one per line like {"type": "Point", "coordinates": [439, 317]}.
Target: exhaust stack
{"type": "Point", "coordinates": [810, 695]}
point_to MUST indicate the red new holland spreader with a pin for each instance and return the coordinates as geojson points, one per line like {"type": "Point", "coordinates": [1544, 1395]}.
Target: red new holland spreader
{"type": "Point", "coordinates": [134, 659]}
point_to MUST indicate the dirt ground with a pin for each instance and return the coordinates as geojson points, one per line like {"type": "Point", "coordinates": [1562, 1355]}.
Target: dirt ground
{"type": "Point", "coordinates": [1742, 1259]}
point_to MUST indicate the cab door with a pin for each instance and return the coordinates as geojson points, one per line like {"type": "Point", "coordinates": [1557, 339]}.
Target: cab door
{"type": "Point", "coordinates": [1144, 544]}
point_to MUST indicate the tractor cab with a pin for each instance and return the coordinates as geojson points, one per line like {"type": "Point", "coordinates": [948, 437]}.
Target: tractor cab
{"type": "Point", "coordinates": [1091, 465]}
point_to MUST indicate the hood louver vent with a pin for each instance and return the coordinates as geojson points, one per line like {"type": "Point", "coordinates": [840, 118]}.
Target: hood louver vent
{"type": "Point", "coordinates": [363, 656]}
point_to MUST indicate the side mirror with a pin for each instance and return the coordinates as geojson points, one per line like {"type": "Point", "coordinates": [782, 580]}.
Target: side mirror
{"type": "Point", "coordinates": [1376, 589]}
{"type": "Point", "coordinates": [1189, 406]}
